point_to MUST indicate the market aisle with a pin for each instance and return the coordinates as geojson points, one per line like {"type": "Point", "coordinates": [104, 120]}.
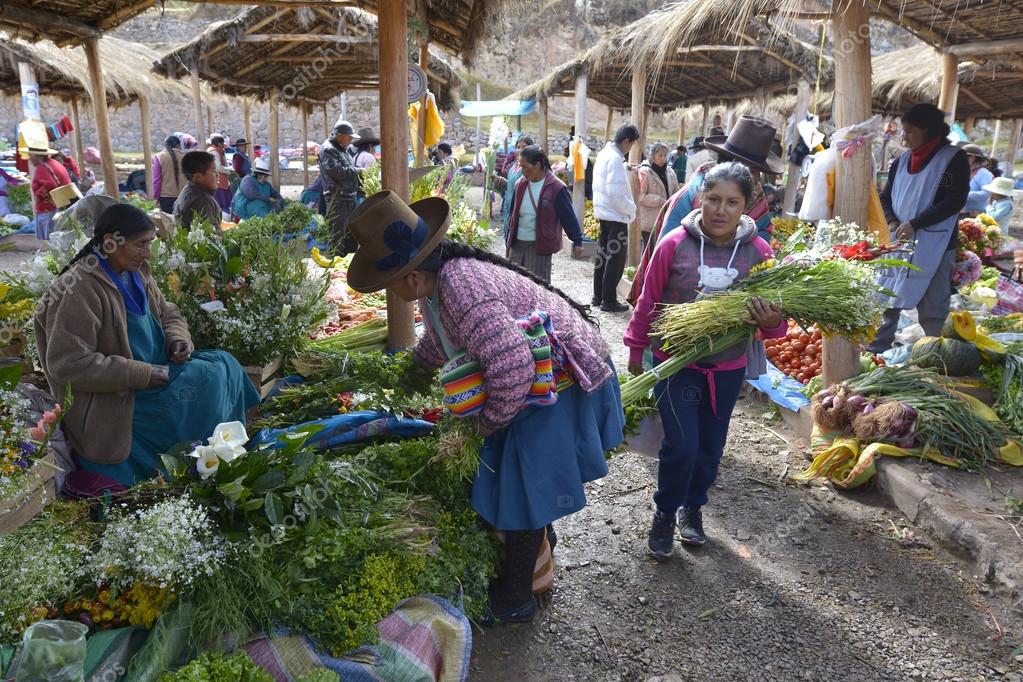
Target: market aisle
{"type": "Point", "coordinates": [796, 582]}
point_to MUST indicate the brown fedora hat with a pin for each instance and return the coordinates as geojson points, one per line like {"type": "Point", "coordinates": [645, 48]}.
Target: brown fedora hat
{"type": "Point", "coordinates": [394, 237]}
{"type": "Point", "coordinates": [367, 135]}
{"type": "Point", "coordinates": [750, 143]}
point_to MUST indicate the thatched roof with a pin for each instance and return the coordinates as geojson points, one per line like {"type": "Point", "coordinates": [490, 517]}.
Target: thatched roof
{"type": "Point", "coordinates": [64, 71]}
{"type": "Point", "coordinates": [309, 54]}
{"type": "Point", "coordinates": [67, 21]}
{"type": "Point", "coordinates": [705, 69]}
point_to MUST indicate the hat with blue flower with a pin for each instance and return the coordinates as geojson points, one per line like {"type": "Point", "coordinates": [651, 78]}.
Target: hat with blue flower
{"type": "Point", "coordinates": [394, 238]}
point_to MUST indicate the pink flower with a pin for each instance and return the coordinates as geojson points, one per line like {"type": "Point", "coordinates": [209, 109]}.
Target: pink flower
{"type": "Point", "coordinates": [57, 410]}
{"type": "Point", "coordinates": [49, 418]}
{"type": "Point", "coordinates": [36, 433]}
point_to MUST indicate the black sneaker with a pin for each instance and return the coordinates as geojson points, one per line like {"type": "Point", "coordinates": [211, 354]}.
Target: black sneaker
{"type": "Point", "coordinates": [615, 307]}
{"type": "Point", "coordinates": [661, 539]}
{"type": "Point", "coordinates": [690, 526]}
{"type": "Point", "coordinates": [595, 302]}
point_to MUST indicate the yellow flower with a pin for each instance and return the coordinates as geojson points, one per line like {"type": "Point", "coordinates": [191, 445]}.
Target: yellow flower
{"type": "Point", "coordinates": [766, 265]}
{"type": "Point", "coordinates": [4, 290]}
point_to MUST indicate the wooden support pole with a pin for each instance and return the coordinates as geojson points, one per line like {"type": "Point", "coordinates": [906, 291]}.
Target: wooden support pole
{"type": "Point", "coordinates": [1013, 151]}
{"type": "Point", "coordinates": [99, 107]}
{"type": "Point", "coordinates": [761, 97]}
{"type": "Point", "coordinates": [607, 126]}
{"type": "Point", "coordinates": [949, 86]}
{"type": "Point", "coordinates": [544, 136]}
{"type": "Point", "coordinates": [305, 146]}
{"type": "Point", "coordinates": [729, 120]}
{"type": "Point", "coordinates": [326, 122]}
{"type": "Point", "coordinates": [968, 125]}
{"type": "Point", "coordinates": [579, 188]}
{"type": "Point", "coordinates": [247, 120]}
{"type": "Point", "coordinates": [76, 140]}
{"type": "Point", "coordinates": [853, 176]}
{"type": "Point", "coordinates": [792, 181]}
{"type": "Point", "coordinates": [209, 119]}
{"type": "Point", "coordinates": [636, 156]}
{"type": "Point", "coordinates": [275, 138]}
{"type": "Point", "coordinates": [703, 117]}
{"type": "Point", "coordinates": [393, 60]}
{"type": "Point", "coordinates": [682, 128]}
{"type": "Point", "coordinates": [200, 127]}
{"type": "Point", "coordinates": [147, 144]}
{"type": "Point", "coordinates": [994, 138]}
{"type": "Point", "coordinates": [424, 64]}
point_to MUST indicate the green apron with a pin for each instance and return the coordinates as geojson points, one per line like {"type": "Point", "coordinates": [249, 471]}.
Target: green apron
{"type": "Point", "coordinates": [209, 389]}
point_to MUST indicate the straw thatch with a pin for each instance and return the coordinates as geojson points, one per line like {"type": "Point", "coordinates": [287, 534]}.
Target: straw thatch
{"type": "Point", "coordinates": [64, 71]}
{"type": "Point", "coordinates": [303, 70]}
{"type": "Point", "coordinates": [67, 21]}
{"type": "Point", "coordinates": [707, 70]}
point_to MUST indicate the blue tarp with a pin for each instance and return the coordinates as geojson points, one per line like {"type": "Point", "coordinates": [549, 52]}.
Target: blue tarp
{"type": "Point", "coordinates": [498, 107]}
{"type": "Point", "coordinates": [342, 429]}
{"type": "Point", "coordinates": [781, 389]}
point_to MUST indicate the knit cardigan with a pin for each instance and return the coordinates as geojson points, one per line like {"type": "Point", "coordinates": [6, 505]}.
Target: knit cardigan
{"type": "Point", "coordinates": [478, 305]}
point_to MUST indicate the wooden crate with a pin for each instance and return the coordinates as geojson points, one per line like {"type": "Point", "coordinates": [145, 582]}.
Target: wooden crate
{"type": "Point", "coordinates": [38, 490]}
{"type": "Point", "coordinates": [266, 377]}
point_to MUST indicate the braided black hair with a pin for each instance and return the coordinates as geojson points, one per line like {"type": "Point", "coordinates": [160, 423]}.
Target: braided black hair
{"type": "Point", "coordinates": [534, 155]}
{"type": "Point", "coordinates": [449, 249]}
{"type": "Point", "coordinates": [121, 221]}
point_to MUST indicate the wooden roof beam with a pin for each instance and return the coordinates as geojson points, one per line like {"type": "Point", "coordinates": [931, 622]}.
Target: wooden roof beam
{"type": "Point", "coordinates": [920, 29]}
{"type": "Point", "coordinates": [24, 16]}
{"type": "Point", "coordinates": [303, 38]}
{"type": "Point", "coordinates": [986, 48]}
{"type": "Point", "coordinates": [978, 100]}
{"type": "Point", "coordinates": [115, 19]}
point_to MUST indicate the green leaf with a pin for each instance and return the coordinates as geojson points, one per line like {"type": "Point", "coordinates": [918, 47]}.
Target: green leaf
{"type": "Point", "coordinates": [274, 509]}
{"type": "Point", "coordinates": [234, 490]}
{"type": "Point", "coordinates": [232, 267]}
{"type": "Point", "coordinates": [270, 480]}
{"type": "Point", "coordinates": [175, 466]}
{"type": "Point", "coordinates": [253, 504]}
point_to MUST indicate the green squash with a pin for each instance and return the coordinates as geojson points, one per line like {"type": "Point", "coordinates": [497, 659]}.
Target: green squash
{"type": "Point", "coordinates": [952, 357]}
{"type": "Point", "coordinates": [960, 325]}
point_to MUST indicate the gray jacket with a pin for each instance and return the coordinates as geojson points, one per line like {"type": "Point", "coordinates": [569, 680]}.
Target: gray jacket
{"type": "Point", "coordinates": [340, 174]}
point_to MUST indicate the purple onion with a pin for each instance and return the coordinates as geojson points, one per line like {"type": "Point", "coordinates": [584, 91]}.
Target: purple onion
{"type": "Point", "coordinates": [869, 407]}
{"type": "Point", "coordinates": [828, 402]}
{"type": "Point", "coordinates": [857, 401]}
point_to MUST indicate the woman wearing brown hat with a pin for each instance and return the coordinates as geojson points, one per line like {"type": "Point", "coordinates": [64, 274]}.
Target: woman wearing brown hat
{"type": "Point", "coordinates": [536, 457]}
{"type": "Point", "coordinates": [926, 189]}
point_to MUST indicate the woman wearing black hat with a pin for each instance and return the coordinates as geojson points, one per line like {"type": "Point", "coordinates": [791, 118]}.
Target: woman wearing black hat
{"type": "Point", "coordinates": [927, 188]}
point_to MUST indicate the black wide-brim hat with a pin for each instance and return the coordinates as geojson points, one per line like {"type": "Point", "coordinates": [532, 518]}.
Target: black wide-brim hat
{"type": "Point", "coordinates": [750, 143]}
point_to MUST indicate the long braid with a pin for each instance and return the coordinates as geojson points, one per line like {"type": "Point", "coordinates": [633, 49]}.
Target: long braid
{"type": "Point", "coordinates": [451, 249]}
{"type": "Point", "coordinates": [86, 250]}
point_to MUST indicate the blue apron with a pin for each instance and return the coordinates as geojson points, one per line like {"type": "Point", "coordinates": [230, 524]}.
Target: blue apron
{"type": "Point", "coordinates": [209, 389]}
{"type": "Point", "coordinates": [912, 194]}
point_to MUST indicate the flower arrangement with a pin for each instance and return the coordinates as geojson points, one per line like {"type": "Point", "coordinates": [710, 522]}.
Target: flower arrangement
{"type": "Point", "coordinates": [247, 294]}
{"type": "Point", "coordinates": [834, 232]}
{"type": "Point", "coordinates": [168, 545]}
{"type": "Point", "coordinates": [21, 445]}
{"type": "Point", "coordinates": [967, 268]}
{"type": "Point", "coordinates": [465, 228]}
{"type": "Point", "coordinates": [981, 235]}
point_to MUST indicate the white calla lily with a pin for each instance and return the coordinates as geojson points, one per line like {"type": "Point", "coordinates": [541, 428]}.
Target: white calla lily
{"type": "Point", "coordinates": [228, 452]}
{"type": "Point", "coordinates": [208, 461]}
{"type": "Point", "coordinates": [230, 433]}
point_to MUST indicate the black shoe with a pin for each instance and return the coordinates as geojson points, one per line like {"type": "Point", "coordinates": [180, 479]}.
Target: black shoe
{"type": "Point", "coordinates": [661, 539]}
{"type": "Point", "coordinates": [552, 537]}
{"type": "Point", "coordinates": [595, 302]}
{"type": "Point", "coordinates": [690, 526]}
{"type": "Point", "coordinates": [521, 614]}
{"type": "Point", "coordinates": [615, 307]}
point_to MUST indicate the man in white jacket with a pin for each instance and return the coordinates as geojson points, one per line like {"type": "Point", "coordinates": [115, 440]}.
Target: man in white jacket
{"type": "Point", "coordinates": [615, 208]}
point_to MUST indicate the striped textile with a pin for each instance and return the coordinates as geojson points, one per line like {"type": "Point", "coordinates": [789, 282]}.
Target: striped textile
{"type": "Point", "coordinates": [462, 381]}
{"type": "Point", "coordinates": [524, 254]}
{"type": "Point", "coordinates": [538, 329]}
{"type": "Point", "coordinates": [543, 572]}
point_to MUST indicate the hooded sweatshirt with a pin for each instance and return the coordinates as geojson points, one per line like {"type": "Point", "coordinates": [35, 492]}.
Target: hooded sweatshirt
{"type": "Point", "coordinates": [674, 276]}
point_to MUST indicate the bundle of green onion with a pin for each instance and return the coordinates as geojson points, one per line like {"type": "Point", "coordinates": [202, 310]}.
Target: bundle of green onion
{"type": "Point", "coordinates": [365, 337]}
{"type": "Point", "coordinates": [841, 297]}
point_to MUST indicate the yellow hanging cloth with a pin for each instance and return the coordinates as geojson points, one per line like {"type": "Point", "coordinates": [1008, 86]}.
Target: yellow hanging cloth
{"type": "Point", "coordinates": [434, 132]}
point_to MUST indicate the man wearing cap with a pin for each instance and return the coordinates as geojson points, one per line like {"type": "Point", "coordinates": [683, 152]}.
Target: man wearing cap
{"type": "Point", "coordinates": [240, 159]}
{"type": "Point", "coordinates": [49, 175]}
{"type": "Point", "coordinates": [976, 201]}
{"type": "Point", "coordinates": [340, 184]}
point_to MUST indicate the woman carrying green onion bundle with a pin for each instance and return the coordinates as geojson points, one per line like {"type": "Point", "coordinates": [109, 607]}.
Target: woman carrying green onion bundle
{"type": "Point", "coordinates": [716, 247]}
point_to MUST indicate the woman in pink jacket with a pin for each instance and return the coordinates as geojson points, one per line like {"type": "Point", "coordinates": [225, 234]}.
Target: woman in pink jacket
{"type": "Point", "coordinates": [657, 182]}
{"type": "Point", "coordinates": [716, 247]}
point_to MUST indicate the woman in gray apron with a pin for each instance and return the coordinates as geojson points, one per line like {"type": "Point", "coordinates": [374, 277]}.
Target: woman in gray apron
{"type": "Point", "coordinates": [927, 188]}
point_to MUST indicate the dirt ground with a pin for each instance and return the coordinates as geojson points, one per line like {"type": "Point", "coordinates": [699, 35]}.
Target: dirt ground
{"type": "Point", "coordinates": [795, 583]}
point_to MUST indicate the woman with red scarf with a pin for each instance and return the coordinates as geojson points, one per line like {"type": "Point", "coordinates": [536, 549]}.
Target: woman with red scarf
{"type": "Point", "coordinates": [927, 188]}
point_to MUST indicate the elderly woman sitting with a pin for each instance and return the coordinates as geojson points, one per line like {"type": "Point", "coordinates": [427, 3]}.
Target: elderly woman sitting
{"type": "Point", "coordinates": [256, 197]}
{"type": "Point", "coordinates": [105, 329]}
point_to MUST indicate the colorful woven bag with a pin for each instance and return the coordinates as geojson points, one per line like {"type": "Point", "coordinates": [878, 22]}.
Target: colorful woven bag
{"type": "Point", "coordinates": [461, 377]}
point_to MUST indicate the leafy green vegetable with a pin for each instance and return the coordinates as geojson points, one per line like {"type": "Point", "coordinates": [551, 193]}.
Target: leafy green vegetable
{"type": "Point", "coordinates": [217, 667]}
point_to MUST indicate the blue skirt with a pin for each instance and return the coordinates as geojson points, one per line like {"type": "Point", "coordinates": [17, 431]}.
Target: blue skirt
{"type": "Point", "coordinates": [533, 471]}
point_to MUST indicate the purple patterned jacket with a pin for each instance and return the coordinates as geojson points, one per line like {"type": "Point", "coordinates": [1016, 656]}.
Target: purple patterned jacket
{"type": "Point", "coordinates": [479, 303]}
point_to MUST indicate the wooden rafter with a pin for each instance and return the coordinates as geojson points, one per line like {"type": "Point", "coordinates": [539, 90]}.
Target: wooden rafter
{"type": "Point", "coordinates": [24, 16]}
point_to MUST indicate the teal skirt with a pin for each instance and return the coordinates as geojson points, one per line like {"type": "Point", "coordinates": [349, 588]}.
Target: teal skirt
{"type": "Point", "coordinates": [209, 389]}
{"type": "Point", "coordinates": [533, 471]}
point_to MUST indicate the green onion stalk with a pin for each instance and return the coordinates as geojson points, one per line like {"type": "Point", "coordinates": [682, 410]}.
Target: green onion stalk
{"type": "Point", "coordinates": [841, 297]}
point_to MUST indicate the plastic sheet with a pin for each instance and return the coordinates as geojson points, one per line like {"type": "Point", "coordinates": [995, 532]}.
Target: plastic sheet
{"type": "Point", "coordinates": [343, 429]}
{"type": "Point", "coordinates": [781, 389]}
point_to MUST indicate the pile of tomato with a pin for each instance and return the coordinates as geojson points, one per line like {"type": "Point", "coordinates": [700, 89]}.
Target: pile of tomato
{"type": "Point", "coordinates": [798, 354]}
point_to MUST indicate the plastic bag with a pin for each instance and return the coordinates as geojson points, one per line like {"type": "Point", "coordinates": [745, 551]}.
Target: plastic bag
{"type": "Point", "coordinates": [54, 651]}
